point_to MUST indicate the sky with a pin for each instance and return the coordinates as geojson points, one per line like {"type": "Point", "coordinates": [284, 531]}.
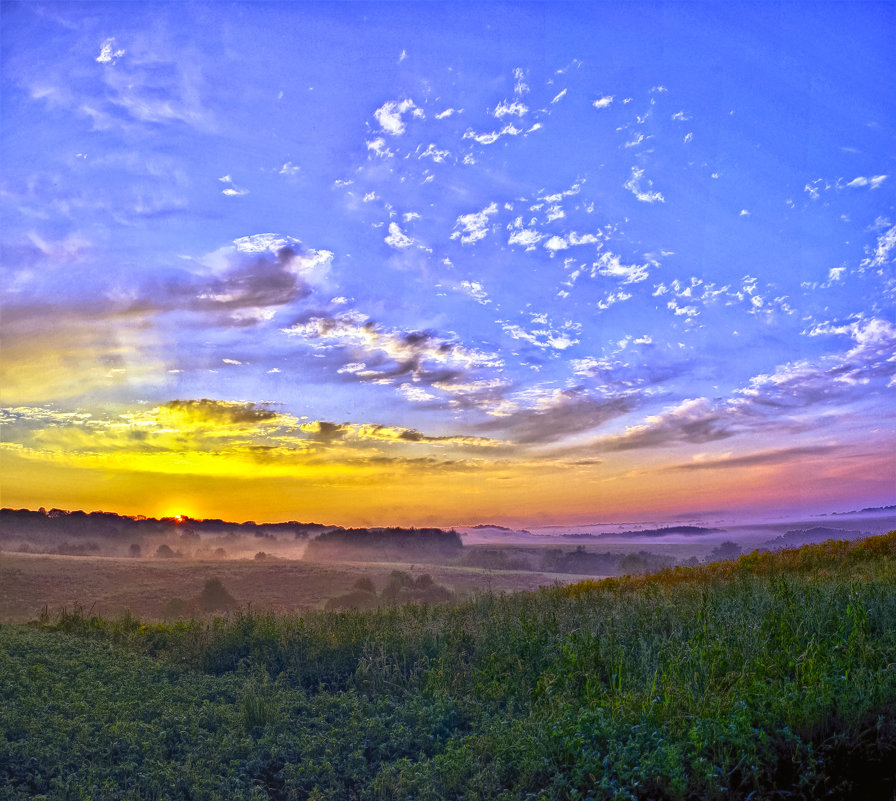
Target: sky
{"type": "Point", "coordinates": [423, 263]}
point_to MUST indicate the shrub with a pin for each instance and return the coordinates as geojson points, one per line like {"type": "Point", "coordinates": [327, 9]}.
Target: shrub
{"type": "Point", "coordinates": [215, 597]}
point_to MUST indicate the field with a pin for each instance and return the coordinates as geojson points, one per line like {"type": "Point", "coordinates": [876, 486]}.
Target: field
{"type": "Point", "coordinates": [770, 677]}
{"type": "Point", "coordinates": [110, 586]}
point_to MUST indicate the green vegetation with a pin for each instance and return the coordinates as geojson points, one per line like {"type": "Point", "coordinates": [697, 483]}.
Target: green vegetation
{"type": "Point", "coordinates": [770, 677]}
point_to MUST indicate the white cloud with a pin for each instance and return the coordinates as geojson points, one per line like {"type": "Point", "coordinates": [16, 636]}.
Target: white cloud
{"type": "Point", "coordinates": [516, 108]}
{"type": "Point", "coordinates": [559, 97]}
{"type": "Point", "coordinates": [409, 216]}
{"type": "Point", "coordinates": [744, 213]}
{"type": "Point", "coordinates": [490, 138]}
{"type": "Point", "coordinates": [448, 112]}
{"type": "Point", "coordinates": [611, 266]}
{"type": "Point", "coordinates": [397, 238]}
{"type": "Point", "coordinates": [416, 394]}
{"type": "Point", "coordinates": [379, 147]}
{"type": "Point", "coordinates": [289, 169]}
{"type": "Point", "coordinates": [647, 195]}
{"type": "Point", "coordinates": [836, 274]}
{"type": "Point", "coordinates": [233, 190]}
{"type": "Point", "coordinates": [527, 237]}
{"type": "Point", "coordinates": [556, 243]}
{"type": "Point", "coordinates": [390, 114]}
{"type": "Point", "coordinates": [476, 291]}
{"type": "Point", "coordinates": [432, 152]}
{"type": "Point", "coordinates": [882, 253]}
{"type": "Point", "coordinates": [635, 140]}
{"type": "Point", "coordinates": [689, 137]}
{"type": "Point", "coordinates": [612, 299]}
{"type": "Point", "coordinates": [603, 102]}
{"type": "Point", "coordinates": [520, 87]}
{"type": "Point", "coordinates": [473, 226]}
{"type": "Point", "coordinates": [108, 53]}
{"type": "Point", "coordinates": [681, 116]}
{"type": "Point", "coordinates": [873, 181]}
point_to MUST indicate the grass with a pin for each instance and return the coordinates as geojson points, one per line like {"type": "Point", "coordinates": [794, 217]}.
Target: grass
{"type": "Point", "coordinates": [770, 677]}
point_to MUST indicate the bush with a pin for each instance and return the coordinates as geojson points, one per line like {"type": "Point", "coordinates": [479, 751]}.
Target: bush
{"type": "Point", "coordinates": [215, 598]}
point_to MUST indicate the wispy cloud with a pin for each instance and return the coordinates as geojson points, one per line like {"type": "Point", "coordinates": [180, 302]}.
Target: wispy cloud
{"type": "Point", "coordinates": [635, 185]}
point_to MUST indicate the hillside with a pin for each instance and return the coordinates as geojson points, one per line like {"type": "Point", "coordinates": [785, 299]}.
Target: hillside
{"type": "Point", "coordinates": [771, 676]}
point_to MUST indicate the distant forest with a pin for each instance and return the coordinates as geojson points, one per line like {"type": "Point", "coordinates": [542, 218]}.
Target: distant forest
{"type": "Point", "coordinates": [384, 543]}
{"type": "Point", "coordinates": [19, 522]}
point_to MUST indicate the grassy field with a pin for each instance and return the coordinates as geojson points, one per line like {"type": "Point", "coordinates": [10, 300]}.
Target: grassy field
{"type": "Point", "coordinates": [771, 677]}
{"type": "Point", "coordinates": [110, 586]}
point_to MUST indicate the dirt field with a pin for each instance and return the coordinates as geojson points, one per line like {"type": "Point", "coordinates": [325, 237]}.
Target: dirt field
{"type": "Point", "coordinates": [110, 586]}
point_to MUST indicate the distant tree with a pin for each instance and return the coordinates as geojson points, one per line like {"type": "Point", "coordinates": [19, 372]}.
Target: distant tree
{"type": "Point", "coordinates": [261, 555]}
{"type": "Point", "coordinates": [164, 552]}
{"type": "Point", "coordinates": [424, 581]}
{"type": "Point", "coordinates": [220, 553]}
{"type": "Point", "coordinates": [724, 552]}
{"type": "Point", "coordinates": [215, 597]}
{"type": "Point", "coordinates": [364, 584]}
{"type": "Point", "coordinates": [691, 561]}
{"type": "Point", "coordinates": [134, 550]}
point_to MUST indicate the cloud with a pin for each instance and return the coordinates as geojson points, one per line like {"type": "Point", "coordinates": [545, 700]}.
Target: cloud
{"type": "Point", "coordinates": [696, 420]}
{"type": "Point", "coordinates": [232, 190]}
{"type": "Point", "coordinates": [883, 251]}
{"type": "Point", "coordinates": [603, 102]}
{"type": "Point", "coordinates": [474, 226]}
{"type": "Point", "coordinates": [289, 169]}
{"type": "Point", "coordinates": [386, 354]}
{"type": "Point", "coordinates": [390, 115]}
{"type": "Point", "coordinates": [546, 415]}
{"type": "Point", "coordinates": [397, 238]}
{"type": "Point", "coordinates": [775, 456]}
{"type": "Point", "coordinates": [634, 185]}
{"type": "Point", "coordinates": [476, 291]}
{"type": "Point", "coordinates": [546, 336]}
{"type": "Point", "coordinates": [490, 138]}
{"type": "Point", "coordinates": [432, 152]}
{"type": "Point", "coordinates": [217, 413]}
{"type": "Point", "coordinates": [836, 377]}
{"type": "Point", "coordinates": [559, 97]}
{"type": "Point", "coordinates": [514, 109]}
{"type": "Point", "coordinates": [378, 147]}
{"type": "Point", "coordinates": [261, 270]}
{"type": "Point", "coordinates": [108, 53]}
{"type": "Point", "coordinates": [873, 181]}
{"type": "Point", "coordinates": [610, 265]}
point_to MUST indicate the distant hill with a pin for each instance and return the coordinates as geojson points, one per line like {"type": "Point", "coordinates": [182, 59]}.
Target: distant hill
{"type": "Point", "coordinates": [796, 538]}
{"type": "Point", "coordinates": [868, 510]}
{"type": "Point", "coordinates": [657, 532]}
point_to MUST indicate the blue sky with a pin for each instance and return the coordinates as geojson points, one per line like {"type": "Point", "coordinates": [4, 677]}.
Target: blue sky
{"type": "Point", "coordinates": [561, 258]}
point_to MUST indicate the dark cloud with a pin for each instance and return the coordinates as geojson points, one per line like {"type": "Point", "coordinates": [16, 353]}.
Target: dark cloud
{"type": "Point", "coordinates": [759, 458]}
{"type": "Point", "coordinates": [262, 280]}
{"type": "Point", "coordinates": [221, 412]}
{"type": "Point", "coordinates": [566, 412]}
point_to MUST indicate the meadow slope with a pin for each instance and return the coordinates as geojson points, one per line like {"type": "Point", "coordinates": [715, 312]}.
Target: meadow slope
{"type": "Point", "coordinates": [770, 677]}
